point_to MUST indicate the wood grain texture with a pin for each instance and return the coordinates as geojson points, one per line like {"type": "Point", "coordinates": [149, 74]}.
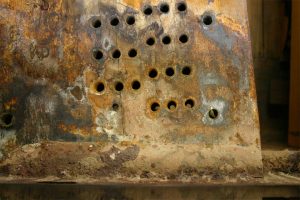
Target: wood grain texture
{"type": "Point", "coordinates": [294, 121]}
{"type": "Point", "coordinates": [275, 24]}
{"type": "Point", "coordinates": [268, 27]}
{"type": "Point", "coordinates": [255, 12]}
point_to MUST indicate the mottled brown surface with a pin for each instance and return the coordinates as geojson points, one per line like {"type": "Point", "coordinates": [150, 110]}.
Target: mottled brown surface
{"type": "Point", "coordinates": [62, 125]}
{"type": "Point", "coordinates": [134, 192]}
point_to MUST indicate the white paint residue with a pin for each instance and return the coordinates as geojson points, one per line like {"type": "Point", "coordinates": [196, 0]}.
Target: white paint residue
{"type": "Point", "coordinates": [213, 79]}
{"type": "Point", "coordinates": [107, 44]}
{"type": "Point", "coordinates": [112, 156]}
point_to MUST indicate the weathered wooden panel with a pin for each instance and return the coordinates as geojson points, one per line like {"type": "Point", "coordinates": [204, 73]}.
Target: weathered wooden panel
{"type": "Point", "coordinates": [127, 90]}
{"type": "Point", "coordinates": [275, 22]}
{"type": "Point", "coordinates": [255, 12]}
{"type": "Point", "coordinates": [294, 121]}
{"type": "Point", "coordinates": [269, 27]}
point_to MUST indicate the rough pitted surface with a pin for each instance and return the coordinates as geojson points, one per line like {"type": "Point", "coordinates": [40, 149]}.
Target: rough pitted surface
{"type": "Point", "coordinates": [127, 90]}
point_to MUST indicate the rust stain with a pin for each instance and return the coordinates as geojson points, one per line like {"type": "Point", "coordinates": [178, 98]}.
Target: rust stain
{"type": "Point", "coordinates": [10, 104]}
{"type": "Point", "coordinates": [125, 86]}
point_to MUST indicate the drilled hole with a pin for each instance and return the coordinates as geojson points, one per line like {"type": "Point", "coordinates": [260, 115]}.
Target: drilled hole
{"type": "Point", "coordinates": [98, 55]}
{"type": "Point", "coordinates": [183, 38]}
{"type": "Point", "coordinates": [130, 20]}
{"type": "Point", "coordinates": [181, 7]}
{"type": "Point", "coordinates": [186, 71]}
{"type": "Point", "coordinates": [148, 10]}
{"type": "Point", "coordinates": [213, 113]}
{"type": "Point", "coordinates": [166, 40]}
{"type": "Point", "coordinates": [7, 120]}
{"type": "Point", "coordinates": [153, 73]}
{"type": "Point", "coordinates": [172, 105]}
{"type": "Point", "coordinates": [119, 86]}
{"type": "Point", "coordinates": [150, 41]}
{"type": "Point", "coordinates": [189, 103]}
{"type": "Point", "coordinates": [136, 85]}
{"type": "Point", "coordinates": [96, 23]}
{"type": "Point", "coordinates": [164, 8]}
{"type": "Point", "coordinates": [207, 20]}
{"type": "Point", "coordinates": [155, 106]}
{"type": "Point", "coordinates": [170, 71]}
{"type": "Point", "coordinates": [132, 53]}
{"type": "Point", "coordinates": [114, 21]}
{"type": "Point", "coordinates": [116, 54]}
{"type": "Point", "coordinates": [115, 107]}
{"type": "Point", "coordinates": [100, 87]}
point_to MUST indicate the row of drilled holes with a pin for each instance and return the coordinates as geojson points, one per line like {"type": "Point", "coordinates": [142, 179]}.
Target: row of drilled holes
{"type": "Point", "coordinates": [167, 40]}
{"type": "Point", "coordinates": [189, 103]}
{"type": "Point", "coordinates": [119, 86]}
{"type": "Point", "coordinates": [164, 8]}
{"type": "Point", "coordinates": [98, 54]}
{"type": "Point", "coordinates": [172, 105]}
{"type": "Point", "coordinates": [153, 73]}
{"type": "Point", "coordinates": [148, 10]}
{"type": "Point", "coordinates": [170, 71]}
{"type": "Point", "coordinates": [182, 7]}
{"type": "Point", "coordinates": [96, 23]}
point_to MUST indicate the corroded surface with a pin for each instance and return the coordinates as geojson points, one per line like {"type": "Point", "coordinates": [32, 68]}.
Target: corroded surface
{"type": "Point", "coordinates": [132, 90]}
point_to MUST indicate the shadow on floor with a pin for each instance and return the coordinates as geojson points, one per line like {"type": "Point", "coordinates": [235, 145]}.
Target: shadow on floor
{"type": "Point", "coordinates": [126, 192]}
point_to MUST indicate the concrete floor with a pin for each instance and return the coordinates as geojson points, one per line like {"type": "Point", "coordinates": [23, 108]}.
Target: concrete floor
{"type": "Point", "coordinates": [124, 192]}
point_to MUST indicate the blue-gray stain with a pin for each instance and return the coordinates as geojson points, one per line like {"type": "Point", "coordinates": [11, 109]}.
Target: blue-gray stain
{"type": "Point", "coordinates": [219, 35]}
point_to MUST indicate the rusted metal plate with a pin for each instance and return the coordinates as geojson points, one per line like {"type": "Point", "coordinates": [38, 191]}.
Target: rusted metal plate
{"type": "Point", "coordinates": [127, 90]}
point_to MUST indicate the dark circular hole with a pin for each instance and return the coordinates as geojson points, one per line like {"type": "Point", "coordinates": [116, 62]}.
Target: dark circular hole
{"type": "Point", "coordinates": [100, 87]}
{"type": "Point", "coordinates": [148, 10]}
{"type": "Point", "coordinates": [189, 103]}
{"type": "Point", "coordinates": [119, 86]}
{"type": "Point", "coordinates": [213, 113]}
{"type": "Point", "coordinates": [96, 23]}
{"type": "Point", "coordinates": [184, 38]}
{"type": "Point", "coordinates": [114, 21]}
{"type": "Point", "coordinates": [132, 53]}
{"type": "Point", "coordinates": [172, 105]}
{"type": "Point", "coordinates": [116, 54]}
{"type": "Point", "coordinates": [181, 7]}
{"type": "Point", "coordinates": [207, 20]}
{"type": "Point", "coordinates": [164, 8]}
{"type": "Point", "coordinates": [130, 20]}
{"type": "Point", "coordinates": [155, 106]}
{"type": "Point", "coordinates": [166, 40]}
{"type": "Point", "coordinates": [98, 55]}
{"type": "Point", "coordinates": [186, 70]}
{"type": "Point", "coordinates": [150, 41]}
{"type": "Point", "coordinates": [115, 106]}
{"type": "Point", "coordinates": [153, 73]}
{"type": "Point", "coordinates": [170, 71]}
{"type": "Point", "coordinates": [7, 120]}
{"type": "Point", "coordinates": [135, 85]}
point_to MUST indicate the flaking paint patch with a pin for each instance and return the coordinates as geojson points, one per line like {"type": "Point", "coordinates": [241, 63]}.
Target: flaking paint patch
{"type": "Point", "coordinates": [48, 105]}
{"type": "Point", "coordinates": [109, 123]}
{"type": "Point", "coordinates": [107, 44]}
{"type": "Point", "coordinates": [212, 79]}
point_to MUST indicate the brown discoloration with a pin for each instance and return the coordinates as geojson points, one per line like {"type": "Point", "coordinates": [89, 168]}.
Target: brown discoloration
{"type": "Point", "coordinates": [284, 161]}
{"type": "Point", "coordinates": [116, 157]}
{"type": "Point", "coordinates": [77, 93]}
{"type": "Point", "coordinates": [49, 75]}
